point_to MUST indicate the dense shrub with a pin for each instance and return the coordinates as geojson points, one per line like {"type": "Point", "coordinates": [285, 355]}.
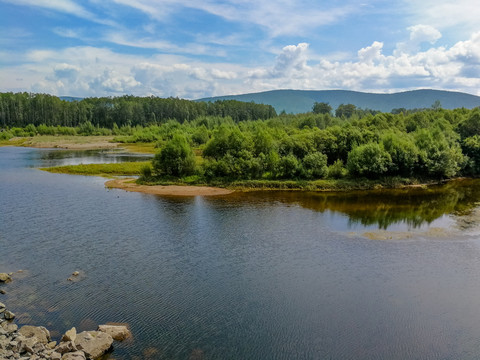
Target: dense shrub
{"type": "Point", "coordinates": [369, 160]}
{"type": "Point", "coordinates": [175, 159]}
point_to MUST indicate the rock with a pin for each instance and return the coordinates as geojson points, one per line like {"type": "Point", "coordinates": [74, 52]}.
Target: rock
{"type": "Point", "coordinates": [70, 335]}
{"type": "Point", "coordinates": [55, 356]}
{"type": "Point", "coordinates": [93, 343]}
{"type": "Point", "coordinates": [39, 332]}
{"type": "Point", "coordinates": [117, 332]}
{"type": "Point", "coordinates": [3, 292]}
{"type": "Point", "coordinates": [5, 278]}
{"type": "Point", "coordinates": [78, 355]}
{"type": "Point", "coordinates": [8, 315]}
{"type": "Point", "coordinates": [2, 306]}
{"type": "Point", "coordinates": [51, 345]}
{"type": "Point", "coordinates": [9, 328]}
{"type": "Point", "coordinates": [27, 345]}
{"type": "Point", "coordinates": [76, 273]}
{"type": "Point", "coordinates": [65, 347]}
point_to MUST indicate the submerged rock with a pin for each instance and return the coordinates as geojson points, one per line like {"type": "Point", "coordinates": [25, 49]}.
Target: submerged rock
{"type": "Point", "coordinates": [93, 343]}
{"type": "Point", "coordinates": [117, 332]}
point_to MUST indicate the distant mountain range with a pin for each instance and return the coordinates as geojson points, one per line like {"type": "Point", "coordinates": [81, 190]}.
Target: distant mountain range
{"type": "Point", "coordinates": [300, 101]}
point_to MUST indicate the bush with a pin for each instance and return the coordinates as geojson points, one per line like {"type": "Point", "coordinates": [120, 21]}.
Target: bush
{"type": "Point", "coordinates": [369, 160]}
{"type": "Point", "coordinates": [176, 158]}
{"type": "Point", "coordinates": [315, 165]}
{"type": "Point", "coordinates": [337, 170]}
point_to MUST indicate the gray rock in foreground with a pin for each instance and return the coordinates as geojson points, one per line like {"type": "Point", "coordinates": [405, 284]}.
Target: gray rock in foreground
{"type": "Point", "coordinates": [34, 342]}
{"type": "Point", "coordinates": [93, 343]}
{"type": "Point", "coordinates": [117, 332]}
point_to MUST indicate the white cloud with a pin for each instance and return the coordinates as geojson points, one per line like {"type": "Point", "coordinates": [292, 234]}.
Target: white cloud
{"type": "Point", "coordinates": [462, 15]}
{"type": "Point", "coordinates": [65, 6]}
{"type": "Point", "coordinates": [419, 34]}
{"type": "Point", "coordinates": [371, 53]}
{"type": "Point", "coordinates": [89, 71]}
{"type": "Point", "coordinates": [282, 17]}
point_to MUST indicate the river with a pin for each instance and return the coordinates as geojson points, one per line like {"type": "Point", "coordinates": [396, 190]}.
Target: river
{"type": "Point", "coordinates": [272, 275]}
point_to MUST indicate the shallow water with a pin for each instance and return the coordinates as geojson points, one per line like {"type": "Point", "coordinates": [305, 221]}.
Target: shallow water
{"type": "Point", "coordinates": [247, 276]}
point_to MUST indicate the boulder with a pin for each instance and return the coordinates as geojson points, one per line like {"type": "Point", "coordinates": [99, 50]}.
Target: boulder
{"type": "Point", "coordinates": [70, 335]}
{"type": "Point", "coordinates": [77, 355]}
{"type": "Point", "coordinates": [5, 278]}
{"type": "Point", "coordinates": [93, 343]}
{"type": "Point", "coordinates": [65, 347]}
{"type": "Point", "coordinates": [55, 356]}
{"type": "Point", "coordinates": [8, 315]}
{"type": "Point", "coordinates": [117, 332]}
{"type": "Point", "coordinates": [39, 332]}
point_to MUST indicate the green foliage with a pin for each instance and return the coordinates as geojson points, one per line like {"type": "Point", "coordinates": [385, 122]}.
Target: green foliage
{"type": "Point", "coordinates": [437, 157]}
{"type": "Point", "coordinates": [315, 166]}
{"type": "Point", "coordinates": [175, 159]}
{"type": "Point", "coordinates": [370, 160]}
{"type": "Point", "coordinates": [345, 110]}
{"type": "Point", "coordinates": [470, 126]}
{"type": "Point", "coordinates": [321, 108]}
{"type": "Point", "coordinates": [5, 135]}
{"type": "Point", "coordinates": [403, 152]}
{"type": "Point", "coordinates": [337, 170]}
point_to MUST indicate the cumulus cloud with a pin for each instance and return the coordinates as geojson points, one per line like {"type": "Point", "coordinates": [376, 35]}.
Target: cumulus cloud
{"type": "Point", "coordinates": [89, 71]}
{"type": "Point", "coordinates": [419, 34]}
{"type": "Point", "coordinates": [292, 61]}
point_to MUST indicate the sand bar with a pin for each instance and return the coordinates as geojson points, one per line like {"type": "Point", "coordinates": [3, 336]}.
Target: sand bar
{"type": "Point", "coordinates": [173, 190]}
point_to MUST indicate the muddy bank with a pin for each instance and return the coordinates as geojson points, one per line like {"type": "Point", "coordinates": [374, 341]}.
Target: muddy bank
{"type": "Point", "coordinates": [172, 190]}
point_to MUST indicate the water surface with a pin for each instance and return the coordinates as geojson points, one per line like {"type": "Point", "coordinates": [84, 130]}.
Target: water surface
{"type": "Point", "coordinates": [246, 276]}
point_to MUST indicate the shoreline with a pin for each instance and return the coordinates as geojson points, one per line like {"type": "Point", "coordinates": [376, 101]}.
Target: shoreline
{"type": "Point", "coordinates": [168, 190]}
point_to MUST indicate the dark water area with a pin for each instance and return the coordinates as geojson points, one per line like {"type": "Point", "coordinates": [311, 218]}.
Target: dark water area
{"type": "Point", "coordinates": [274, 275]}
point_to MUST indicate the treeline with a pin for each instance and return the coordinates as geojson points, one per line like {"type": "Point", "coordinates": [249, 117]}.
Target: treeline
{"type": "Point", "coordinates": [433, 144]}
{"type": "Point", "coordinates": [428, 144]}
{"type": "Point", "coordinates": [22, 109]}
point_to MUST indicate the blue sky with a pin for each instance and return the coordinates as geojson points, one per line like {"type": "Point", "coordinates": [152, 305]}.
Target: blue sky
{"type": "Point", "coordinates": [194, 49]}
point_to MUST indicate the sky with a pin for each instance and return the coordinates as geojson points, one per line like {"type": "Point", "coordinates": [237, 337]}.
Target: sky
{"type": "Point", "coordinates": [192, 49]}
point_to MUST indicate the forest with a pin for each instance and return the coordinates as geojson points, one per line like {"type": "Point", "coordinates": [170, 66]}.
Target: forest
{"type": "Point", "coordinates": [229, 141]}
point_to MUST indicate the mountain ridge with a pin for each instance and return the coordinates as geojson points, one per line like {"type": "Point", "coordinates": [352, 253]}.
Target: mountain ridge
{"type": "Point", "coordinates": [300, 101]}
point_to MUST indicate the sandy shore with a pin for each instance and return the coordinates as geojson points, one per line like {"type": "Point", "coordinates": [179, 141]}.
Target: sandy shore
{"type": "Point", "coordinates": [174, 190]}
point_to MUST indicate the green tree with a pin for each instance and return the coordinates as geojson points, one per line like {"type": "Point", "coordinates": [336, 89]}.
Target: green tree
{"type": "Point", "coordinates": [321, 108]}
{"type": "Point", "coordinates": [315, 165]}
{"type": "Point", "coordinates": [369, 160]}
{"type": "Point", "coordinates": [345, 110]}
{"type": "Point", "coordinates": [403, 152]}
{"type": "Point", "coordinates": [176, 158]}
{"type": "Point", "coordinates": [437, 157]}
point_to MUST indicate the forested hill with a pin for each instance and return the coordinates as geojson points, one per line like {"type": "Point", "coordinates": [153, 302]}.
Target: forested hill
{"type": "Point", "coordinates": [300, 101]}
{"type": "Point", "coordinates": [22, 109]}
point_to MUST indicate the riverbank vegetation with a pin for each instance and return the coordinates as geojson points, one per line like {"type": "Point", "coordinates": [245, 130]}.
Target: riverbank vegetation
{"type": "Point", "coordinates": [316, 150]}
{"type": "Point", "coordinates": [115, 169]}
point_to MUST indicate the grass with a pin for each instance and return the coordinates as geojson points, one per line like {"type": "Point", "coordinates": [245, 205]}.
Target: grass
{"type": "Point", "coordinates": [116, 169]}
{"type": "Point", "coordinates": [301, 185]}
{"type": "Point", "coordinates": [55, 141]}
{"type": "Point", "coordinates": [142, 148]}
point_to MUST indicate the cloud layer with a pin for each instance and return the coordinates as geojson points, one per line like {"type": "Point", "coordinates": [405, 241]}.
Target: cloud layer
{"type": "Point", "coordinates": [195, 49]}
